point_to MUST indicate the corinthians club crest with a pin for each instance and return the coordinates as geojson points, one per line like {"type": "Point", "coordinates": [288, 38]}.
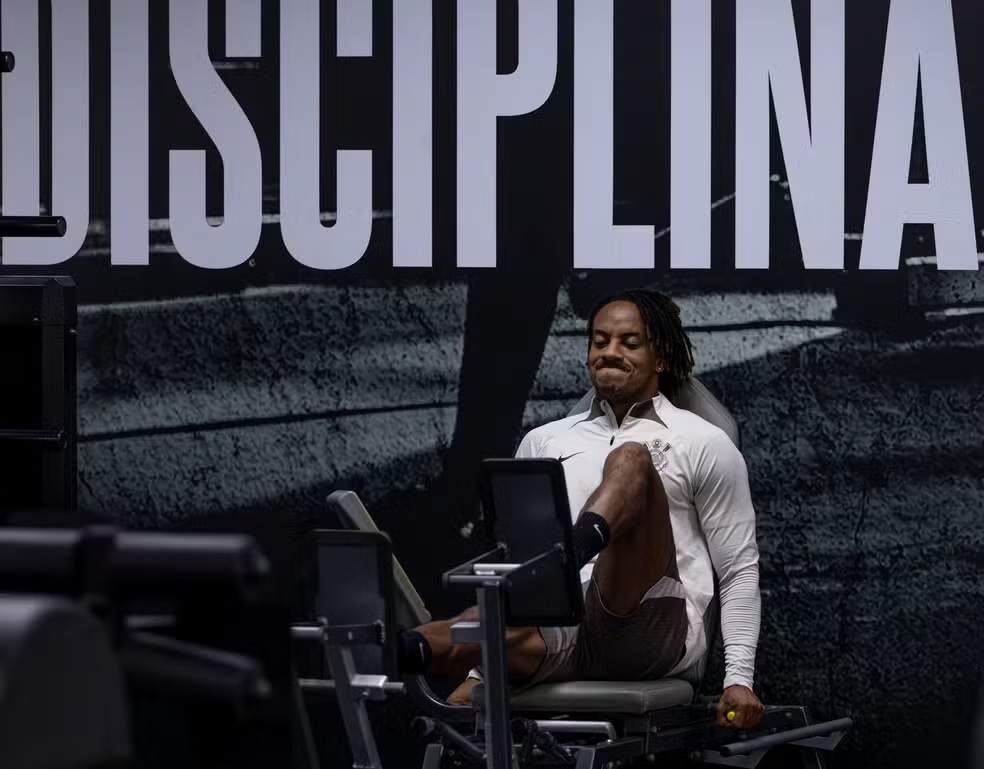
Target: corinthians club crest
{"type": "Point", "coordinates": [657, 450]}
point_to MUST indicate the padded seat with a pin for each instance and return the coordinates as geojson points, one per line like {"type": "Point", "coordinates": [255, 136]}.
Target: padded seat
{"type": "Point", "coordinates": [616, 697]}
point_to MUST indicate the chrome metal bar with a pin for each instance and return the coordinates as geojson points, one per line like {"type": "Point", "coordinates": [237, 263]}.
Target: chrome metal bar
{"type": "Point", "coordinates": [833, 729]}
{"type": "Point", "coordinates": [307, 633]}
{"type": "Point", "coordinates": [345, 635]}
{"type": "Point", "coordinates": [486, 569]}
{"type": "Point", "coordinates": [495, 664]}
{"type": "Point", "coordinates": [467, 633]}
{"type": "Point", "coordinates": [461, 574]}
{"type": "Point", "coordinates": [33, 226]}
{"type": "Point", "coordinates": [578, 727]}
{"type": "Point", "coordinates": [327, 685]}
{"type": "Point", "coordinates": [353, 707]}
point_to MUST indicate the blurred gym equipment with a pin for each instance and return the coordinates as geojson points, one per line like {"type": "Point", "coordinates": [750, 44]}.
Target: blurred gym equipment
{"type": "Point", "coordinates": [62, 695]}
{"type": "Point", "coordinates": [157, 649]}
{"type": "Point", "coordinates": [356, 630]}
{"type": "Point", "coordinates": [38, 321]}
{"type": "Point", "coordinates": [38, 432]}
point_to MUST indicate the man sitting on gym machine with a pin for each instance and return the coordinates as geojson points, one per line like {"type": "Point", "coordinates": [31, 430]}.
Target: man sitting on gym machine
{"type": "Point", "coordinates": [664, 504]}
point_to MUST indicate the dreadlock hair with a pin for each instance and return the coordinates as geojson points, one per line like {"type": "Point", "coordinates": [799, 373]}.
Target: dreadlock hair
{"type": "Point", "coordinates": [666, 335]}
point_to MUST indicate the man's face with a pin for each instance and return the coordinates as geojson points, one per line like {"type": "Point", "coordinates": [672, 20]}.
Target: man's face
{"type": "Point", "coordinates": [622, 363]}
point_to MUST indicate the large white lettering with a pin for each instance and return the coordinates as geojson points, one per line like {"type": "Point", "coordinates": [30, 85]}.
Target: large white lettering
{"type": "Point", "coordinates": [597, 242]}
{"type": "Point", "coordinates": [311, 243]}
{"type": "Point", "coordinates": [483, 96]}
{"type": "Point", "coordinates": [813, 148]}
{"type": "Point", "coordinates": [21, 113]}
{"type": "Point", "coordinates": [232, 242]}
{"type": "Point", "coordinates": [413, 134]}
{"type": "Point", "coordinates": [70, 132]}
{"type": "Point", "coordinates": [920, 44]}
{"type": "Point", "coordinates": [920, 50]}
{"type": "Point", "coordinates": [690, 134]}
{"type": "Point", "coordinates": [129, 110]}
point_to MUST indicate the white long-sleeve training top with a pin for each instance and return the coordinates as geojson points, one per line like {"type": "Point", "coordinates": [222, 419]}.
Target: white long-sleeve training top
{"type": "Point", "coordinates": [713, 520]}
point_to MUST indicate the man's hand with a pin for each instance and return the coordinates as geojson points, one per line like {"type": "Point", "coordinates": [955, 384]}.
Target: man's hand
{"type": "Point", "coordinates": [463, 694]}
{"type": "Point", "coordinates": [741, 701]}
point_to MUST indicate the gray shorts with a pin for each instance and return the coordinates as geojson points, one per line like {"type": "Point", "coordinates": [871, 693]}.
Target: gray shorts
{"type": "Point", "coordinates": [644, 645]}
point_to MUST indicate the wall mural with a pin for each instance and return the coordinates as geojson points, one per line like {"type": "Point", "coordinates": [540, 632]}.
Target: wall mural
{"type": "Point", "coordinates": [353, 245]}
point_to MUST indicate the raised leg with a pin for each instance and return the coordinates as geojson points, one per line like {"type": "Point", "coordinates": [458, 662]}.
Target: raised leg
{"type": "Point", "coordinates": [641, 551]}
{"type": "Point", "coordinates": [632, 501]}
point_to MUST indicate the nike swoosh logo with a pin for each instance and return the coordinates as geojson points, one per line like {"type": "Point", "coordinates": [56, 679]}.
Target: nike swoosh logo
{"type": "Point", "coordinates": [564, 459]}
{"type": "Point", "coordinates": [598, 529]}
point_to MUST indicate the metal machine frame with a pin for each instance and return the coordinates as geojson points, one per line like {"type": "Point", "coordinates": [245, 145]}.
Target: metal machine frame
{"type": "Point", "coordinates": [689, 728]}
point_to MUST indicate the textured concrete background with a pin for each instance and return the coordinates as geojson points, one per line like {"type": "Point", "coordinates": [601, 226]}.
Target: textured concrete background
{"type": "Point", "coordinates": [262, 393]}
{"type": "Point", "coordinates": [864, 450]}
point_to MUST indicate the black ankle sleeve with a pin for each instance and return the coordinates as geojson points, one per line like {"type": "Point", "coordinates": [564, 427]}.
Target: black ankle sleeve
{"type": "Point", "coordinates": [413, 653]}
{"type": "Point", "coordinates": [591, 535]}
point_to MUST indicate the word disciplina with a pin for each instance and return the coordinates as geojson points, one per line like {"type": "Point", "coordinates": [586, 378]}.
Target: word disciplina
{"type": "Point", "coordinates": [920, 51]}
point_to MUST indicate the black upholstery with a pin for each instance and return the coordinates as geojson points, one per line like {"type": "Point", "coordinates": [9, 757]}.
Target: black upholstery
{"type": "Point", "coordinates": [618, 697]}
